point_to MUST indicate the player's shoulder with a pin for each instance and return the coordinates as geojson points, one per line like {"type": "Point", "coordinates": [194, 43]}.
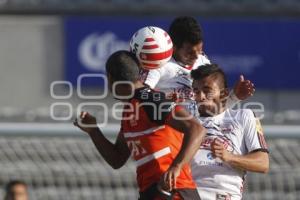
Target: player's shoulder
{"type": "Point", "coordinates": [146, 94]}
{"type": "Point", "coordinates": [170, 65]}
{"type": "Point", "coordinates": [154, 104]}
{"type": "Point", "coordinates": [241, 115]}
{"type": "Point", "coordinates": [201, 60]}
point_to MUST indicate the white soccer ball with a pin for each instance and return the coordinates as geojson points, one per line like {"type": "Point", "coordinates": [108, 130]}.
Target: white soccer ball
{"type": "Point", "coordinates": [152, 46]}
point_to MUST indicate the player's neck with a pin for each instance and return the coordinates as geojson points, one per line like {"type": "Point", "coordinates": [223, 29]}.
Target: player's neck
{"type": "Point", "coordinates": [211, 113]}
{"type": "Point", "coordinates": [178, 60]}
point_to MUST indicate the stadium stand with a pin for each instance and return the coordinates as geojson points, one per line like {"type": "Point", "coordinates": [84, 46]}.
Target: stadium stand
{"type": "Point", "coordinates": [69, 168]}
{"type": "Point", "coordinates": [66, 166]}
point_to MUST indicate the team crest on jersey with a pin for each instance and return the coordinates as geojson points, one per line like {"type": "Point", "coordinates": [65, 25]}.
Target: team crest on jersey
{"type": "Point", "coordinates": [227, 128]}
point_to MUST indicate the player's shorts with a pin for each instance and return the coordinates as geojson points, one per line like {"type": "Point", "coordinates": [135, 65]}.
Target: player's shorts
{"type": "Point", "coordinates": [211, 194]}
{"type": "Point", "coordinates": [152, 193]}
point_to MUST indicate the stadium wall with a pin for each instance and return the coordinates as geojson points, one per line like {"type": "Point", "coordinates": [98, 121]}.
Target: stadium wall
{"type": "Point", "coordinates": [32, 57]}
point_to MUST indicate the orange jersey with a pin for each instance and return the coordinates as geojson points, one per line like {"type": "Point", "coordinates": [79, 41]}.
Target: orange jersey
{"type": "Point", "coordinates": [153, 144]}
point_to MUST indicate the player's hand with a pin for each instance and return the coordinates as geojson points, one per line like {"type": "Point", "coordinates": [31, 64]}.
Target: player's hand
{"type": "Point", "coordinates": [243, 88]}
{"type": "Point", "coordinates": [219, 151]}
{"type": "Point", "coordinates": [86, 122]}
{"type": "Point", "coordinates": [168, 179]}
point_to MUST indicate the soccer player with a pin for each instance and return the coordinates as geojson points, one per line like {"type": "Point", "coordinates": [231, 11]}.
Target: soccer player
{"type": "Point", "coordinates": [234, 143]}
{"type": "Point", "coordinates": [16, 190]}
{"type": "Point", "coordinates": [174, 77]}
{"type": "Point", "coordinates": [161, 136]}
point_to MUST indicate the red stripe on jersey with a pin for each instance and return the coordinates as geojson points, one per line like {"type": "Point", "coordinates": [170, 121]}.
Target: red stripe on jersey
{"type": "Point", "coordinates": [262, 140]}
{"type": "Point", "coordinates": [154, 46]}
{"type": "Point", "coordinates": [156, 56]}
{"type": "Point", "coordinates": [149, 40]}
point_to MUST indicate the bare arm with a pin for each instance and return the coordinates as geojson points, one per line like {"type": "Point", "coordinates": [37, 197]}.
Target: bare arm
{"type": "Point", "coordinates": [116, 154]}
{"type": "Point", "coordinates": [193, 135]}
{"type": "Point", "coordinates": [256, 161]}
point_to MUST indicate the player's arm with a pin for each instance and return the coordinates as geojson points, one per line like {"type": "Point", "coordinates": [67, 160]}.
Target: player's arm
{"type": "Point", "coordinates": [193, 136]}
{"type": "Point", "coordinates": [243, 89]}
{"type": "Point", "coordinates": [116, 154]}
{"type": "Point", "coordinates": [256, 161]}
{"type": "Point", "coordinates": [257, 158]}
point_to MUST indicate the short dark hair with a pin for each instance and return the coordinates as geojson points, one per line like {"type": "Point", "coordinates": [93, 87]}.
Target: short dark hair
{"type": "Point", "coordinates": [9, 186]}
{"type": "Point", "coordinates": [208, 70]}
{"type": "Point", "coordinates": [123, 66]}
{"type": "Point", "coordinates": [185, 29]}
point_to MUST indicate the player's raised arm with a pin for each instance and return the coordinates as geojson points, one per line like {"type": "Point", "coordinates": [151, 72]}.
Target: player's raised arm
{"type": "Point", "coordinates": [116, 154]}
{"type": "Point", "coordinates": [194, 133]}
{"type": "Point", "coordinates": [242, 90]}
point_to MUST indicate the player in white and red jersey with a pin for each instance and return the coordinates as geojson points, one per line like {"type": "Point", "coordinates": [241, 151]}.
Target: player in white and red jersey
{"type": "Point", "coordinates": [233, 145]}
{"type": "Point", "coordinates": [160, 135]}
{"type": "Point", "coordinates": [174, 77]}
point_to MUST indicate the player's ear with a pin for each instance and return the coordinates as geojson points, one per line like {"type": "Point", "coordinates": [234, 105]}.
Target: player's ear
{"type": "Point", "coordinates": [224, 93]}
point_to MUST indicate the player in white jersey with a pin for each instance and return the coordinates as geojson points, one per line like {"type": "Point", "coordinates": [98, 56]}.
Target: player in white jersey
{"type": "Point", "coordinates": [174, 76]}
{"type": "Point", "coordinates": [234, 143]}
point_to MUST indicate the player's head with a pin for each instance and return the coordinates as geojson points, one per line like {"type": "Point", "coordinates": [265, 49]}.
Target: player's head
{"type": "Point", "coordinates": [186, 35]}
{"type": "Point", "coordinates": [122, 69]}
{"type": "Point", "coordinates": [210, 89]}
{"type": "Point", "coordinates": [16, 190]}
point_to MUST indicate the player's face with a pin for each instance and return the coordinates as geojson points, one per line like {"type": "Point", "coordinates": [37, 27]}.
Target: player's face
{"type": "Point", "coordinates": [209, 96]}
{"type": "Point", "coordinates": [188, 53]}
{"type": "Point", "coordinates": [20, 192]}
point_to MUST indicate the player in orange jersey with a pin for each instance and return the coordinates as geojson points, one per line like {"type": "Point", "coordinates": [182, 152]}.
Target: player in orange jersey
{"type": "Point", "coordinates": [160, 135]}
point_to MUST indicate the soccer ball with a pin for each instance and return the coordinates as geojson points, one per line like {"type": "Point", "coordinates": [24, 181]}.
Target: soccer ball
{"type": "Point", "coordinates": [152, 46]}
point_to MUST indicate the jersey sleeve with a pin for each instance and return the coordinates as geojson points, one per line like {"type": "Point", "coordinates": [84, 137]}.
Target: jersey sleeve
{"type": "Point", "coordinates": [201, 60]}
{"type": "Point", "coordinates": [152, 78]}
{"type": "Point", "coordinates": [232, 100]}
{"type": "Point", "coordinates": [253, 133]}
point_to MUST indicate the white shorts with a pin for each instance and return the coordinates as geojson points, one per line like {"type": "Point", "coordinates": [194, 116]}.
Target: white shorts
{"type": "Point", "coordinates": [212, 194]}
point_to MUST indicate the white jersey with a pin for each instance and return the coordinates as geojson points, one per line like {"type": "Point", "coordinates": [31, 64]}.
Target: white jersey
{"type": "Point", "coordinates": [241, 133]}
{"type": "Point", "coordinates": [174, 78]}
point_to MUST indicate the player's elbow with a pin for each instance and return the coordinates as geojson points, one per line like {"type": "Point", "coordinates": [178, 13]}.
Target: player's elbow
{"type": "Point", "coordinates": [263, 169]}
{"type": "Point", "coordinates": [265, 165]}
{"type": "Point", "coordinates": [201, 131]}
{"type": "Point", "coordinates": [198, 133]}
{"type": "Point", "coordinates": [116, 165]}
